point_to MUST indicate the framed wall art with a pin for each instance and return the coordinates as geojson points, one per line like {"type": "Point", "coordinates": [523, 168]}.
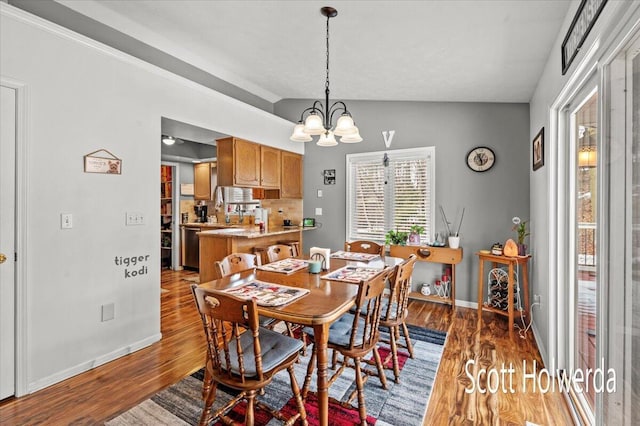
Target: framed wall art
{"type": "Point", "coordinates": [538, 150]}
{"type": "Point", "coordinates": [329, 177]}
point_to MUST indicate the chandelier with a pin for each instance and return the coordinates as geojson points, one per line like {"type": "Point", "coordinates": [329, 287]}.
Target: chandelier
{"type": "Point", "coordinates": [319, 117]}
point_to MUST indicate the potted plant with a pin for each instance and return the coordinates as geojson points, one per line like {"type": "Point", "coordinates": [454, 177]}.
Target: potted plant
{"type": "Point", "coordinates": [520, 226]}
{"type": "Point", "coordinates": [414, 235]}
{"type": "Point", "coordinates": [398, 238]}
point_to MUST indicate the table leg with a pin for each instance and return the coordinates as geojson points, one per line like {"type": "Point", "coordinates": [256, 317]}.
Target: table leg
{"type": "Point", "coordinates": [525, 286]}
{"type": "Point", "coordinates": [453, 287]}
{"type": "Point", "coordinates": [480, 292]}
{"type": "Point", "coordinates": [510, 299]}
{"type": "Point", "coordinates": [321, 336]}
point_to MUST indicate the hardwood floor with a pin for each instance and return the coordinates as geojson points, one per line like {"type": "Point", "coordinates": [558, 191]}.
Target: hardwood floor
{"type": "Point", "coordinates": [106, 391]}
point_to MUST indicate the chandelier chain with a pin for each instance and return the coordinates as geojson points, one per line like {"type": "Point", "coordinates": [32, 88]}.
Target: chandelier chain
{"type": "Point", "coordinates": [326, 84]}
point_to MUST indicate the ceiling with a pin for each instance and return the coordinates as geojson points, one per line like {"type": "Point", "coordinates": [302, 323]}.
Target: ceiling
{"type": "Point", "coordinates": [469, 51]}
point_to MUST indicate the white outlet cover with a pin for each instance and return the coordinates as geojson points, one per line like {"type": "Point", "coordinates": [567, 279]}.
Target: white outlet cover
{"type": "Point", "coordinates": [318, 211]}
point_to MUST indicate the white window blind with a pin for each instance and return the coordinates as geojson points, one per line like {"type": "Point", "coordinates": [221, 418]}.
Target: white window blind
{"type": "Point", "coordinates": [393, 196]}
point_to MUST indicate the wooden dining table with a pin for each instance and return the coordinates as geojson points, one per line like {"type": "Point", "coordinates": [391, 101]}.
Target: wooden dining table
{"type": "Point", "coordinates": [326, 301]}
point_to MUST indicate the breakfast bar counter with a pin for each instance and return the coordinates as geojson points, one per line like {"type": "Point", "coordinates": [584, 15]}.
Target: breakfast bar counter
{"type": "Point", "coordinates": [218, 243]}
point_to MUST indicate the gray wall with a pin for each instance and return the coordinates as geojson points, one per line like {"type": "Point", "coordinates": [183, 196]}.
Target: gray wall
{"type": "Point", "coordinates": [491, 198]}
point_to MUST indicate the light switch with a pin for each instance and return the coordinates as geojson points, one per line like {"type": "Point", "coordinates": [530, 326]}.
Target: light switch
{"type": "Point", "coordinates": [318, 211]}
{"type": "Point", "coordinates": [66, 220]}
{"type": "Point", "coordinates": [319, 193]}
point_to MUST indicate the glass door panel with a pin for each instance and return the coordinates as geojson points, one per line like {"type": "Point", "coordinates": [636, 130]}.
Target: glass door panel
{"type": "Point", "coordinates": [585, 256]}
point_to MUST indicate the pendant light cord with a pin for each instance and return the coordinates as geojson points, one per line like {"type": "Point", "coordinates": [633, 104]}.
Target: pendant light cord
{"type": "Point", "coordinates": [326, 84]}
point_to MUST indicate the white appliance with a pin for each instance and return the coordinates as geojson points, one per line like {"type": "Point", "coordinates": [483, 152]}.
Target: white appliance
{"type": "Point", "coordinates": [262, 215]}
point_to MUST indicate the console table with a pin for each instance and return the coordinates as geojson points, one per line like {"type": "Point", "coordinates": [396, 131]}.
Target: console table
{"type": "Point", "coordinates": [444, 255]}
{"type": "Point", "coordinates": [511, 262]}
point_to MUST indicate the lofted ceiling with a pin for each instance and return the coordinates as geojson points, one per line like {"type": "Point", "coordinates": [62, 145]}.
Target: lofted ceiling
{"type": "Point", "coordinates": [469, 51]}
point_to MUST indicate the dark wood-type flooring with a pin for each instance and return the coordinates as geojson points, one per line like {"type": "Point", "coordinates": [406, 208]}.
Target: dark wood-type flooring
{"type": "Point", "coordinates": [106, 391]}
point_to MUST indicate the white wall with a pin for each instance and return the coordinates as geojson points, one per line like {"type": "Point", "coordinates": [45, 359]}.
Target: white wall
{"type": "Point", "coordinates": [82, 97]}
{"type": "Point", "coordinates": [552, 85]}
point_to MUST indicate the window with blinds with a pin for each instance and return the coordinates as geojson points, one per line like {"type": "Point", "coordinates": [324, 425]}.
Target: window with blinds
{"type": "Point", "coordinates": [392, 192]}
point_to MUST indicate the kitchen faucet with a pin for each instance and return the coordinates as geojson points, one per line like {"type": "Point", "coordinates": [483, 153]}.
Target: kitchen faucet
{"type": "Point", "coordinates": [240, 213]}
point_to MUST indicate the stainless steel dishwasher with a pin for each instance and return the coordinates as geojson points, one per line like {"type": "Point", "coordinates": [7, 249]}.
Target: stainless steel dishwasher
{"type": "Point", "coordinates": [191, 248]}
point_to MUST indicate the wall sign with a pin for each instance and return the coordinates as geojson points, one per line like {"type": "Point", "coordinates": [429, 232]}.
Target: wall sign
{"type": "Point", "coordinates": [329, 177]}
{"type": "Point", "coordinates": [133, 266]}
{"type": "Point", "coordinates": [102, 161]}
{"type": "Point", "coordinates": [586, 16]}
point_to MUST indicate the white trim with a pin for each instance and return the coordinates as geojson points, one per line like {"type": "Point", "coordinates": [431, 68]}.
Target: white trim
{"type": "Point", "coordinates": [466, 304]}
{"type": "Point", "coordinates": [91, 364]}
{"type": "Point", "coordinates": [21, 229]}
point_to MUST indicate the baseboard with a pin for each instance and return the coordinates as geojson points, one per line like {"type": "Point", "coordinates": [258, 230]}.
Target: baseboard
{"type": "Point", "coordinates": [541, 347]}
{"type": "Point", "coordinates": [88, 365]}
{"type": "Point", "coordinates": [466, 304]}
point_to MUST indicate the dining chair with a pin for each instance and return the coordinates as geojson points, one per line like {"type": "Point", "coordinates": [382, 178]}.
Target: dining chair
{"type": "Point", "coordinates": [394, 311]}
{"type": "Point", "coordinates": [354, 336]}
{"type": "Point", "coordinates": [235, 262]}
{"type": "Point", "coordinates": [279, 251]}
{"type": "Point", "coordinates": [362, 246]}
{"type": "Point", "coordinates": [242, 355]}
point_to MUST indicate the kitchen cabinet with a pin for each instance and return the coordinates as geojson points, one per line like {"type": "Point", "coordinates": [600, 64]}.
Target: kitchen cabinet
{"type": "Point", "coordinates": [238, 163]}
{"type": "Point", "coordinates": [204, 180]}
{"type": "Point", "coordinates": [269, 167]}
{"type": "Point", "coordinates": [291, 180]}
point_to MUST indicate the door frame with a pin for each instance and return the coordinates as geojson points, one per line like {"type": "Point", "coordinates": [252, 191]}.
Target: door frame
{"type": "Point", "coordinates": [175, 215]}
{"type": "Point", "coordinates": [21, 209]}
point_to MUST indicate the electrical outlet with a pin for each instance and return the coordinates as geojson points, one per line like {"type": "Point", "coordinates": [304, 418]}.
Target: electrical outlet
{"type": "Point", "coordinates": [537, 298]}
{"type": "Point", "coordinates": [318, 211]}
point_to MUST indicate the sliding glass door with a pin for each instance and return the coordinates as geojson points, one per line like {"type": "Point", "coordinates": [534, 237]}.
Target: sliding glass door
{"type": "Point", "coordinates": [583, 254]}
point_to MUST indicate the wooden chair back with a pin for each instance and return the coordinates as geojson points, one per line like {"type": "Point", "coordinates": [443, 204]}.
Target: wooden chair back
{"type": "Point", "coordinates": [235, 262]}
{"type": "Point", "coordinates": [362, 246]}
{"type": "Point", "coordinates": [225, 317]}
{"type": "Point", "coordinates": [364, 331]}
{"type": "Point", "coordinates": [399, 288]}
{"type": "Point", "coordinates": [279, 252]}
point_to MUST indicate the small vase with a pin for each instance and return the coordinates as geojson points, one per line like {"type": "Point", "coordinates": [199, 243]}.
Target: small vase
{"type": "Point", "coordinates": [522, 249]}
{"type": "Point", "coordinates": [414, 239]}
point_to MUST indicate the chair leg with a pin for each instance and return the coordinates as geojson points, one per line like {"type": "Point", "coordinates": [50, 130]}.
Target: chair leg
{"type": "Point", "coordinates": [208, 402]}
{"type": "Point", "coordinates": [381, 375]}
{"type": "Point", "coordinates": [307, 378]}
{"type": "Point", "coordinates": [394, 353]}
{"type": "Point", "coordinates": [362, 408]}
{"type": "Point", "coordinates": [249, 416]}
{"type": "Point", "coordinates": [206, 383]}
{"type": "Point", "coordinates": [296, 393]}
{"type": "Point", "coordinates": [407, 339]}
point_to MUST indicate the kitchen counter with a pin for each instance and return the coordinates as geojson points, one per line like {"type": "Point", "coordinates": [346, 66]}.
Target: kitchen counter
{"type": "Point", "coordinates": [251, 232]}
{"type": "Point", "coordinates": [215, 244]}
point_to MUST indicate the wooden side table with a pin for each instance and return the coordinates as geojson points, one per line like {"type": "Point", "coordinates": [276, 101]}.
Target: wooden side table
{"type": "Point", "coordinates": [511, 262]}
{"type": "Point", "coordinates": [445, 255]}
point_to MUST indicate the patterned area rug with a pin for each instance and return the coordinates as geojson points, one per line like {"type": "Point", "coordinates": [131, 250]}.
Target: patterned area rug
{"type": "Point", "coordinates": [403, 404]}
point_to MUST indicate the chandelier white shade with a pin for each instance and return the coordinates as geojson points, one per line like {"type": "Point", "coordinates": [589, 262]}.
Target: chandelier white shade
{"type": "Point", "coordinates": [319, 117]}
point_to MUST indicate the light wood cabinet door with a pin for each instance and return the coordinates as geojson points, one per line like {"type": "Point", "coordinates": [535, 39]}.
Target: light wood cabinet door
{"type": "Point", "coordinates": [270, 173]}
{"type": "Point", "coordinates": [246, 161]}
{"type": "Point", "coordinates": [291, 176]}
{"type": "Point", "coordinates": [202, 181]}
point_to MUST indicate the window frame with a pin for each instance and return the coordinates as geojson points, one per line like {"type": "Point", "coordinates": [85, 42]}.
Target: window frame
{"type": "Point", "coordinates": [428, 153]}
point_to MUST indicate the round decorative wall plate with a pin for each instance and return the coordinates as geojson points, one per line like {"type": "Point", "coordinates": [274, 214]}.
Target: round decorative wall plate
{"type": "Point", "coordinates": [481, 159]}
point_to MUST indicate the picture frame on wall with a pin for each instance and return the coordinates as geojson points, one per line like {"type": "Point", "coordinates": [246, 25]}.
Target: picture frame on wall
{"type": "Point", "coordinates": [329, 177]}
{"type": "Point", "coordinates": [538, 150]}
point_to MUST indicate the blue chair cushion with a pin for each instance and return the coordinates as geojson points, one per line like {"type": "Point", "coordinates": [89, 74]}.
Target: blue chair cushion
{"type": "Point", "coordinates": [265, 321]}
{"type": "Point", "coordinates": [340, 331]}
{"type": "Point", "coordinates": [275, 348]}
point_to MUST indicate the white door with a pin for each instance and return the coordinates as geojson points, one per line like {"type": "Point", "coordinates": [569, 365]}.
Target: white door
{"type": "Point", "coordinates": [7, 240]}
